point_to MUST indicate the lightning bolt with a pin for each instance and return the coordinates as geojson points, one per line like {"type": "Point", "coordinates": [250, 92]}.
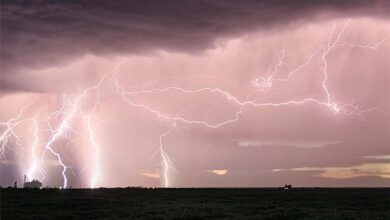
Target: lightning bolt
{"type": "Point", "coordinates": [72, 109]}
{"type": "Point", "coordinates": [165, 159]}
{"type": "Point", "coordinates": [65, 124]}
{"type": "Point", "coordinates": [259, 82]}
{"type": "Point", "coordinates": [92, 140]}
{"type": "Point", "coordinates": [34, 146]}
{"type": "Point", "coordinates": [9, 131]}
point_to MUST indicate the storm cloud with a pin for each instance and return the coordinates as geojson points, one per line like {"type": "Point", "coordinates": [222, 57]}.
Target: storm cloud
{"type": "Point", "coordinates": [172, 57]}
{"type": "Point", "coordinates": [38, 34]}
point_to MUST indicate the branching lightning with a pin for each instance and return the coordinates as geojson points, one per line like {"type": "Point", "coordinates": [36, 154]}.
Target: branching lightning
{"type": "Point", "coordinates": [73, 110]}
{"type": "Point", "coordinates": [9, 131]}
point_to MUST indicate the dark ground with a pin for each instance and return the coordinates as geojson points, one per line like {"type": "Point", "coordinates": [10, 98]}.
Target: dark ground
{"type": "Point", "coordinates": [130, 203]}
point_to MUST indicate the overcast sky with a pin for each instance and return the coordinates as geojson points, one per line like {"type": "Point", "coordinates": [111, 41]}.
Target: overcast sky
{"type": "Point", "coordinates": [195, 93]}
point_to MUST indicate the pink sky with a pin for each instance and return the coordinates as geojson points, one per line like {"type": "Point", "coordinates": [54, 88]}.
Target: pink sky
{"type": "Point", "coordinates": [304, 102]}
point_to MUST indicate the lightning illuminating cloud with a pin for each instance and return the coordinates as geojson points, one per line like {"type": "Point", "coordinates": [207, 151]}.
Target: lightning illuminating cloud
{"type": "Point", "coordinates": [72, 110]}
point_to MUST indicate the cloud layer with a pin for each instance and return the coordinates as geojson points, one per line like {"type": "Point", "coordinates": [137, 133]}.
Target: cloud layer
{"type": "Point", "coordinates": [39, 34]}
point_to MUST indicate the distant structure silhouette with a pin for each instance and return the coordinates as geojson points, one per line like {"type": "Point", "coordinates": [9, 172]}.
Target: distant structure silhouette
{"type": "Point", "coordinates": [286, 187]}
{"type": "Point", "coordinates": [34, 184]}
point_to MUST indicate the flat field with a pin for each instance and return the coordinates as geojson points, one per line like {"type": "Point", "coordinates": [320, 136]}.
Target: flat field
{"type": "Point", "coordinates": [196, 203]}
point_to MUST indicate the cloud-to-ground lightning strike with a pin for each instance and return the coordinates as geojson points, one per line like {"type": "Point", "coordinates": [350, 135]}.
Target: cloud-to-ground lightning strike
{"type": "Point", "coordinates": [165, 160]}
{"type": "Point", "coordinates": [92, 140]}
{"type": "Point", "coordinates": [61, 129]}
{"type": "Point", "coordinates": [71, 111]}
{"type": "Point", "coordinates": [35, 163]}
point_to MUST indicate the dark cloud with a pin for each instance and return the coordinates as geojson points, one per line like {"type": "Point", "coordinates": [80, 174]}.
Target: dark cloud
{"type": "Point", "coordinates": [41, 33]}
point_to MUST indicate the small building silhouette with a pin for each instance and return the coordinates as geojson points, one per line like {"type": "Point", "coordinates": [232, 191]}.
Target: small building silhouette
{"type": "Point", "coordinates": [34, 184]}
{"type": "Point", "coordinates": [287, 186]}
